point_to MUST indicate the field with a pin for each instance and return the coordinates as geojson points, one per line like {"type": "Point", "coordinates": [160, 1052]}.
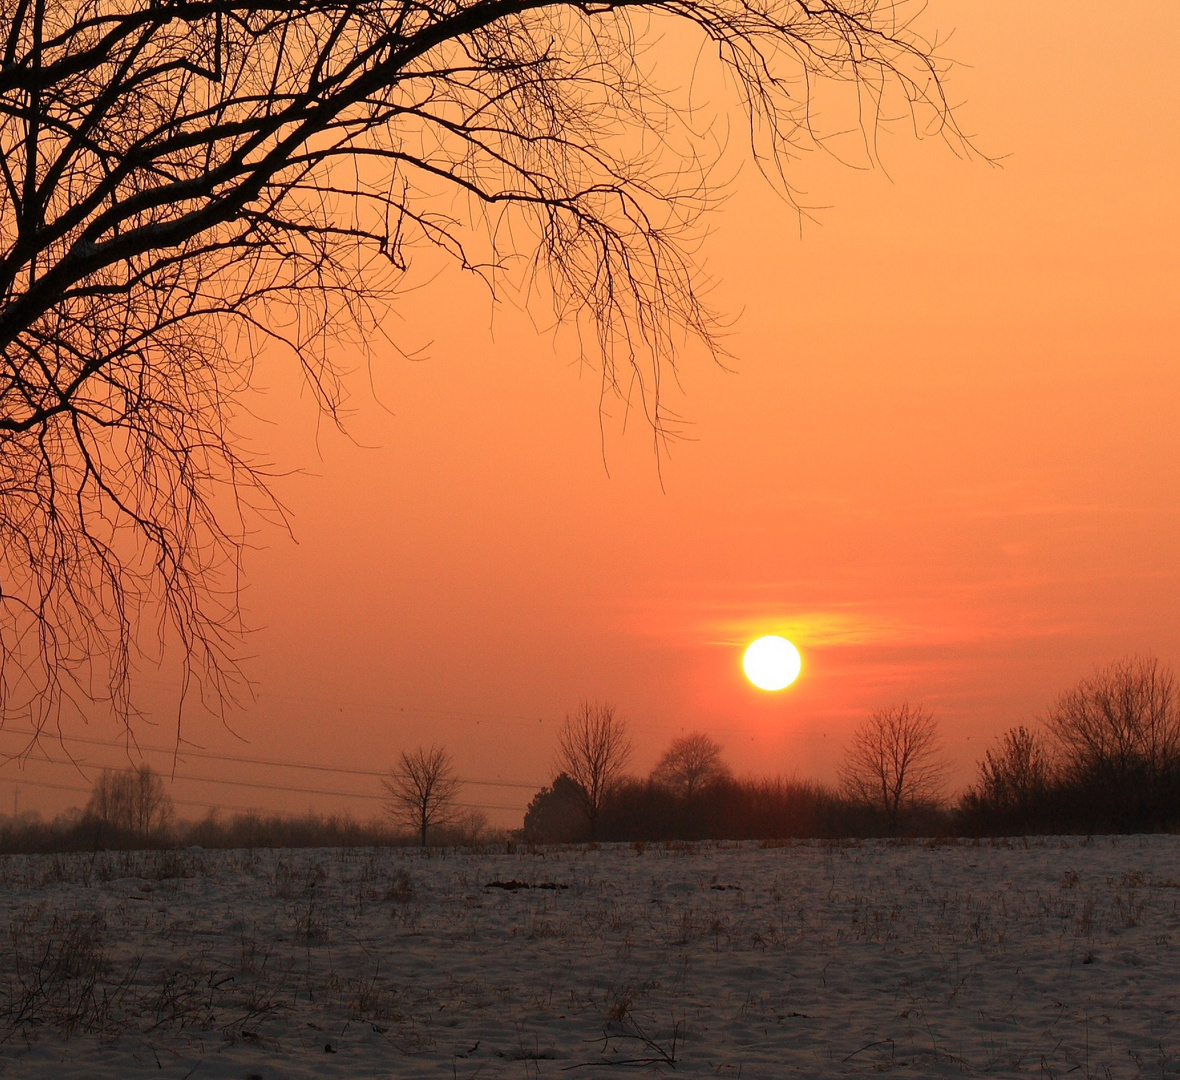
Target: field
{"type": "Point", "coordinates": [1046, 957]}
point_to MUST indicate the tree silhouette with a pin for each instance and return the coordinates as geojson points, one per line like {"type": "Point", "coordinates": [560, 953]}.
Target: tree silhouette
{"type": "Point", "coordinates": [421, 789]}
{"type": "Point", "coordinates": [893, 764]}
{"type": "Point", "coordinates": [556, 814]}
{"type": "Point", "coordinates": [1117, 734]}
{"type": "Point", "coordinates": [1014, 783]}
{"type": "Point", "coordinates": [134, 802]}
{"type": "Point", "coordinates": [183, 185]}
{"type": "Point", "coordinates": [1121, 724]}
{"type": "Point", "coordinates": [690, 763]}
{"type": "Point", "coordinates": [593, 751]}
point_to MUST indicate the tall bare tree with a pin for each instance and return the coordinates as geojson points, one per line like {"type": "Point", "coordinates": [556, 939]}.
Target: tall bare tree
{"type": "Point", "coordinates": [690, 763]}
{"type": "Point", "coordinates": [421, 789]}
{"type": "Point", "coordinates": [894, 763]}
{"type": "Point", "coordinates": [183, 185]}
{"type": "Point", "coordinates": [593, 750]}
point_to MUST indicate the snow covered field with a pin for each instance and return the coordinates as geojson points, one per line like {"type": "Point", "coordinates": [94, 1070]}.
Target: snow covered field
{"type": "Point", "coordinates": [1041, 958]}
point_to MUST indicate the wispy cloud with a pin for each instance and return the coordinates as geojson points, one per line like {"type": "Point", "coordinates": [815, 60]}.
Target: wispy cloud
{"type": "Point", "coordinates": [1006, 608]}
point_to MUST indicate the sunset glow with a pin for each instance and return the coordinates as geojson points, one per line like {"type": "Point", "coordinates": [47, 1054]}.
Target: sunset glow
{"type": "Point", "coordinates": [772, 663]}
{"type": "Point", "coordinates": [939, 450]}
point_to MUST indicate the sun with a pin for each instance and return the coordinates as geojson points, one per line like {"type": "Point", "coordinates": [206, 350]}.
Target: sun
{"type": "Point", "coordinates": [772, 663]}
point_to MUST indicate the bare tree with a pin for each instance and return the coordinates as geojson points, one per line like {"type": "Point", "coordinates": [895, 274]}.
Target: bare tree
{"type": "Point", "coordinates": [1013, 783]}
{"type": "Point", "coordinates": [1017, 771]}
{"type": "Point", "coordinates": [1117, 735]}
{"type": "Point", "coordinates": [894, 763]}
{"type": "Point", "coordinates": [421, 789]}
{"type": "Point", "coordinates": [593, 751]}
{"type": "Point", "coordinates": [1123, 723]}
{"type": "Point", "coordinates": [132, 801]}
{"type": "Point", "coordinates": [185, 185]}
{"type": "Point", "coordinates": [690, 763]}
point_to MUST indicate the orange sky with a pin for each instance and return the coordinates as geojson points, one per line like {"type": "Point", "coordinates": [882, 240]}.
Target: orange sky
{"type": "Point", "coordinates": [945, 464]}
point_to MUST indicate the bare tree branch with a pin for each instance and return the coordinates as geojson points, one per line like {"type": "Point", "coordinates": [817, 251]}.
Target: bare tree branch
{"type": "Point", "coordinates": [186, 183]}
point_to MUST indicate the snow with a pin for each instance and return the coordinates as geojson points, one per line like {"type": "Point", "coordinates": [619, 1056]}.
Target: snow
{"type": "Point", "coordinates": [1044, 957]}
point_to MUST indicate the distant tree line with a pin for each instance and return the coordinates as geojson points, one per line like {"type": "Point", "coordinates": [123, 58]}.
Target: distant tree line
{"type": "Point", "coordinates": [891, 783]}
{"type": "Point", "coordinates": [1105, 758]}
{"type": "Point", "coordinates": [131, 809]}
{"type": "Point", "coordinates": [80, 832]}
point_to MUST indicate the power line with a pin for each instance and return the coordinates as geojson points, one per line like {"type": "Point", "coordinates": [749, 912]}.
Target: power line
{"type": "Point", "coordinates": [298, 790]}
{"type": "Point", "coordinates": [262, 785]}
{"type": "Point", "coordinates": [340, 704]}
{"type": "Point", "coordinates": [412, 711]}
{"type": "Point", "coordinates": [83, 791]}
{"type": "Point", "coordinates": [25, 782]}
{"type": "Point", "coordinates": [211, 756]}
{"type": "Point", "coordinates": [253, 784]}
